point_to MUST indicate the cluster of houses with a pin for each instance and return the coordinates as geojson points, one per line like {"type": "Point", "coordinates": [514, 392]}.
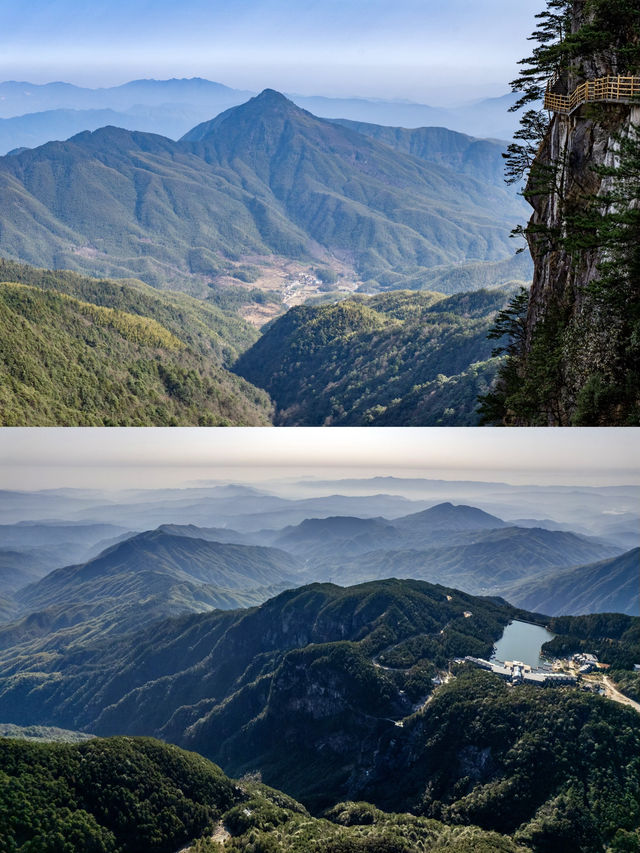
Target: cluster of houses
{"type": "Point", "coordinates": [516, 672]}
{"type": "Point", "coordinates": [586, 663]}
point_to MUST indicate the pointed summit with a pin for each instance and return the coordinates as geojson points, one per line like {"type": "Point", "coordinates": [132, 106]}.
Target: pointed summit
{"type": "Point", "coordinates": [269, 105]}
{"type": "Point", "coordinates": [271, 96]}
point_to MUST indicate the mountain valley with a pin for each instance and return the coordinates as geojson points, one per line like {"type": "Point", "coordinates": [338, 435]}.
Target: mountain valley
{"type": "Point", "coordinates": [401, 358]}
{"type": "Point", "coordinates": [197, 242]}
{"type": "Point", "coordinates": [32, 114]}
{"type": "Point", "coordinates": [263, 179]}
{"type": "Point", "coordinates": [123, 353]}
{"type": "Point", "coordinates": [218, 632]}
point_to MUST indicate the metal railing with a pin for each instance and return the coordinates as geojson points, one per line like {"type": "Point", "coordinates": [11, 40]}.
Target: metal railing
{"type": "Point", "coordinates": [608, 89]}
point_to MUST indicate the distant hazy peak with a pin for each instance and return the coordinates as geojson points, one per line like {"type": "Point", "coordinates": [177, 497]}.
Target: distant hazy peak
{"type": "Point", "coordinates": [267, 102]}
{"type": "Point", "coordinates": [455, 514]}
{"type": "Point", "coordinates": [272, 96]}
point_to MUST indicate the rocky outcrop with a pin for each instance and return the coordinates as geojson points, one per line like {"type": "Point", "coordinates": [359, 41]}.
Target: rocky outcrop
{"type": "Point", "coordinates": [579, 337]}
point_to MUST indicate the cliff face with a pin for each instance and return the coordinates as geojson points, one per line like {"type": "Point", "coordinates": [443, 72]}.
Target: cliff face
{"type": "Point", "coordinates": [581, 338]}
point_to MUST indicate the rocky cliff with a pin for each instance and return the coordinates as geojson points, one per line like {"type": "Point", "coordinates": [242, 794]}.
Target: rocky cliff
{"type": "Point", "coordinates": [577, 365]}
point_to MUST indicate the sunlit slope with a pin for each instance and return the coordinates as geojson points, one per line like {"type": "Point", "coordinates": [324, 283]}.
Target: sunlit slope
{"type": "Point", "coordinates": [67, 361]}
{"type": "Point", "coordinates": [405, 359]}
{"type": "Point", "coordinates": [265, 178]}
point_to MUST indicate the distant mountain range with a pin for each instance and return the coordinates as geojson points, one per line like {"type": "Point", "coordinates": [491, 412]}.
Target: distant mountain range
{"type": "Point", "coordinates": [452, 545]}
{"type": "Point", "coordinates": [261, 181]}
{"type": "Point", "coordinates": [149, 576]}
{"type": "Point", "coordinates": [180, 569]}
{"type": "Point", "coordinates": [32, 114]}
{"type": "Point", "coordinates": [607, 586]}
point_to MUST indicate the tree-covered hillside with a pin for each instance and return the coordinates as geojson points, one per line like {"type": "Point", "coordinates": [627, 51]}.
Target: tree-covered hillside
{"type": "Point", "coordinates": [266, 180]}
{"type": "Point", "coordinates": [75, 351]}
{"type": "Point", "coordinates": [107, 796]}
{"type": "Point", "coordinates": [395, 359]}
{"type": "Point", "coordinates": [145, 679]}
{"type": "Point", "coordinates": [329, 694]}
{"type": "Point", "coordinates": [123, 353]}
{"type": "Point", "coordinates": [126, 795]}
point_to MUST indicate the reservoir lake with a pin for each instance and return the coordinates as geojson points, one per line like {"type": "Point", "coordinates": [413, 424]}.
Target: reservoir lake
{"type": "Point", "coordinates": [521, 641]}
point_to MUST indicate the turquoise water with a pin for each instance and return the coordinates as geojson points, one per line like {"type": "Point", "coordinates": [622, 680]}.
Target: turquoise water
{"type": "Point", "coordinates": [521, 641]}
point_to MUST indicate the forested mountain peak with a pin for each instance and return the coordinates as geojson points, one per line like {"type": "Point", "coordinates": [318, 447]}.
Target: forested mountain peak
{"type": "Point", "coordinates": [268, 108]}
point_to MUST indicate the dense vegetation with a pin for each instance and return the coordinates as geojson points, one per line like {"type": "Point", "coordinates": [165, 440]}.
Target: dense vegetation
{"type": "Point", "coordinates": [212, 330]}
{"type": "Point", "coordinates": [613, 637]}
{"type": "Point", "coordinates": [125, 795]}
{"type": "Point", "coordinates": [223, 668]}
{"type": "Point", "coordinates": [328, 693]}
{"type": "Point", "coordinates": [76, 351]}
{"type": "Point", "coordinates": [50, 734]}
{"type": "Point", "coordinates": [394, 359]}
{"type": "Point", "coordinates": [577, 362]}
{"type": "Point", "coordinates": [555, 768]}
{"type": "Point", "coordinates": [261, 180]}
{"type": "Point", "coordinates": [123, 353]}
{"type": "Point", "coordinates": [107, 796]}
{"type": "Point", "coordinates": [280, 825]}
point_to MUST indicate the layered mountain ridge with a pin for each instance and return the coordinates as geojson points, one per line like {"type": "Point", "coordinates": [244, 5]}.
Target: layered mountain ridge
{"type": "Point", "coordinates": [328, 691]}
{"type": "Point", "coordinates": [264, 178]}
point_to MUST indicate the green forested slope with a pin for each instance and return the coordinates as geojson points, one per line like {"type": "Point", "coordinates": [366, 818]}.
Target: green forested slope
{"type": "Point", "coordinates": [144, 679]}
{"type": "Point", "coordinates": [65, 360]}
{"type": "Point", "coordinates": [218, 333]}
{"type": "Point", "coordinates": [115, 796]}
{"type": "Point", "coordinates": [265, 179]}
{"type": "Point", "coordinates": [394, 359]}
{"type": "Point", "coordinates": [127, 795]}
{"type": "Point", "coordinates": [328, 693]}
{"type": "Point", "coordinates": [557, 769]}
{"type": "Point", "coordinates": [613, 637]}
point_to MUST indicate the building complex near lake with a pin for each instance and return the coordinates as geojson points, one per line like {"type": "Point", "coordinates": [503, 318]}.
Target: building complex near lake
{"type": "Point", "coordinates": [517, 672]}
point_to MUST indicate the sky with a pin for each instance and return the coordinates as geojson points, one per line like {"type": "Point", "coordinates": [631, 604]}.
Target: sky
{"type": "Point", "coordinates": [111, 458]}
{"type": "Point", "coordinates": [430, 51]}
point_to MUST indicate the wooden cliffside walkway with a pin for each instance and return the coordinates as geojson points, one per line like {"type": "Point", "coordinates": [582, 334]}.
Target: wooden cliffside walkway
{"type": "Point", "coordinates": [614, 90]}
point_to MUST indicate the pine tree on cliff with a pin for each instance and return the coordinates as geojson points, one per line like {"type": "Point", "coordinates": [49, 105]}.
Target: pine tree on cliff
{"type": "Point", "coordinates": [577, 362]}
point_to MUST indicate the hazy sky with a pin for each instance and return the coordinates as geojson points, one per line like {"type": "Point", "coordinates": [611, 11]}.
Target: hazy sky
{"type": "Point", "coordinates": [123, 458]}
{"type": "Point", "coordinates": [411, 49]}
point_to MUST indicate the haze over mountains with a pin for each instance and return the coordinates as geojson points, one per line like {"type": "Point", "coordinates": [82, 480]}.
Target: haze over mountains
{"type": "Point", "coordinates": [265, 179]}
{"type": "Point", "coordinates": [32, 114]}
{"type": "Point", "coordinates": [218, 631]}
{"type": "Point", "coordinates": [230, 546]}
